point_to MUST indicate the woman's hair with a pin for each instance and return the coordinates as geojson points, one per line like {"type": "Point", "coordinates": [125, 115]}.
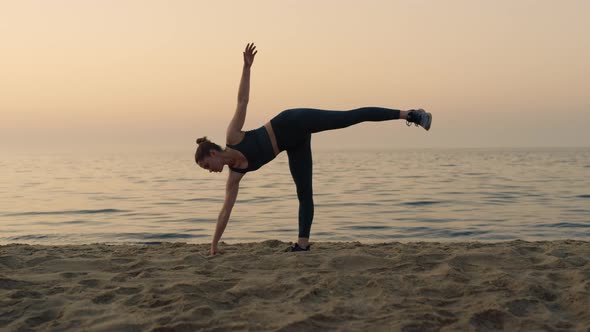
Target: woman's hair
{"type": "Point", "coordinates": [205, 146]}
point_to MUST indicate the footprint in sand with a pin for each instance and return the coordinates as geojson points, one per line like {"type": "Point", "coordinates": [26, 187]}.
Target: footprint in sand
{"type": "Point", "coordinates": [90, 283]}
{"type": "Point", "coordinates": [128, 290]}
{"type": "Point", "coordinates": [70, 275]}
{"type": "Point", "coordinates": [104, 298]}
{"type": "Point", "coordinates": [541, 293]}
{"type": "Point", "coordinates": [21, 294]}
{"type": "Point", "coordinates": [11, 262]}
{"type": "Point", "coordinates": [488, 320]}
{"type": "Point", "coordinates": [358, 262]}
{"type": "Point", "coordinates": [6, 283]}
{"type": "Point", "coordinates": [521, 307]}
{"type": "Point", "coordinates": [43, 317]}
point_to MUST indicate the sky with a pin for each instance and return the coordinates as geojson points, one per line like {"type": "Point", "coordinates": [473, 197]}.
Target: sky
{"type": "Point", "coordinates": [122, 74]}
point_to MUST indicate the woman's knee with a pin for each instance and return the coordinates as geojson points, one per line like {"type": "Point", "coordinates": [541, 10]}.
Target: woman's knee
{"type": "Point", "coordinates": [305, 195]}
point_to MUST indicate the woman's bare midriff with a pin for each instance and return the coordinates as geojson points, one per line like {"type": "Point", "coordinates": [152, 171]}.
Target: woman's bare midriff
{"type": "Point", "coordinates": [273, 138]}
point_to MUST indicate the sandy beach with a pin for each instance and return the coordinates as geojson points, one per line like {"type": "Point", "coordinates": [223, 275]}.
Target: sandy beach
{"type": "Point", "coordinates": [339, 286]}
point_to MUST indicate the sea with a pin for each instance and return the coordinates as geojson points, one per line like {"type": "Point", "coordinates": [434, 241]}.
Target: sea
{"type": "Point", "coordinates": [370, 196]}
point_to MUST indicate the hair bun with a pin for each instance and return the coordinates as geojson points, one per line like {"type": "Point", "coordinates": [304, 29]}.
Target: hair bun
{"type": "Point", "coordinates": [202, 139]}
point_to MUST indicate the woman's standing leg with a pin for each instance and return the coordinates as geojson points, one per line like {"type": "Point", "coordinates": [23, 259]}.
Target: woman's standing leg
{"type": "Point", "coordinates": [300, 165]}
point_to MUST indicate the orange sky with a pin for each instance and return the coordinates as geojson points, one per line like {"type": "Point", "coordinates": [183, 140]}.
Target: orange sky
{"type": "Point", "coordinates": [161, 73]}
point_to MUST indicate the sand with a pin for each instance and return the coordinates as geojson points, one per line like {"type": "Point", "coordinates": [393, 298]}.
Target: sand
{"type": "Point", "coordinates": [339, 286]}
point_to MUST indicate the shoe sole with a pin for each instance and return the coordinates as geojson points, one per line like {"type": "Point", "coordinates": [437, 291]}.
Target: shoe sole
{"type": "Point", "coordinates": [428, 121]}
{"type": "Point", "coordinates": [292, 249]}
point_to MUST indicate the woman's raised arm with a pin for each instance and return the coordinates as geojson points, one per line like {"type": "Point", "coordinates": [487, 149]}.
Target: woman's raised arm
{"type": "Point", "coordinates": [239, 118]}
{"type": "Point", "coordinates": [244, 91]}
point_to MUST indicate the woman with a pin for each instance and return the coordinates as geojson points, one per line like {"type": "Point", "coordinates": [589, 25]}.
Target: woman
{"type": "Point", "coordinates": [289, 131]}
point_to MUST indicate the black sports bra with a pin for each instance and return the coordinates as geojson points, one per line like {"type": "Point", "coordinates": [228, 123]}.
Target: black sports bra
{"type": "Point", "coordinates": [256, 147]}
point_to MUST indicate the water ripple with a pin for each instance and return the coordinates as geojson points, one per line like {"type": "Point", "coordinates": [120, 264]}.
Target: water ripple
{"type": "Point", "coordinates": [34, 213]}
{"type": "Point", "coordinates": [156, 235]}
{"type": "Point", "coordinates": [365, 227]}
{"type": "Point", "coordinates": [565, 225]}
{"type": "Point", "coordinates": [418, 203]}
{"type": "Point", "coordinates": [347, 204]}
{"type": "Point", "coordinates": [187, 220]}
{"type": "Point", "coordinates": [466, 233]}
{"type": "Point", "coordinates": [204, 199]}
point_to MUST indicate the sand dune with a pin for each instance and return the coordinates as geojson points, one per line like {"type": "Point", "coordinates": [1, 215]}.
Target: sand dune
{"type": "Point", "coordinates": [424, 286]}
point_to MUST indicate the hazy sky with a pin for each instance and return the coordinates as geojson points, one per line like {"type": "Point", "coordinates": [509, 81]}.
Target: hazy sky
{"type": "Point", "coordinates": [143, 74]}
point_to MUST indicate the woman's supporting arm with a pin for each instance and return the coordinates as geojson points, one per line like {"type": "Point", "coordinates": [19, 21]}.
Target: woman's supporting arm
{"type": "Point", "coordinates": [231, 193]}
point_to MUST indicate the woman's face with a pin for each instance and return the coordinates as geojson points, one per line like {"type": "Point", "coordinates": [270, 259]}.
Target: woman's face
{"type": "Point", "coordinates": [212, 163]}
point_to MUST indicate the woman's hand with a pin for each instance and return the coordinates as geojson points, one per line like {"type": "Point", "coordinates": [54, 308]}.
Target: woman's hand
{"type": "Point", "coordinates": [214, 250]}
{"type": "Point", "coordinates": [248, 55]}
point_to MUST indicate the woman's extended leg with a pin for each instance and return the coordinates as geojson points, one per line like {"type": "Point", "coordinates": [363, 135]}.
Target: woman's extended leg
{"type": "Point", "coordinates": [300, 165]}
{"type": "Point", "coordinates": [315, 120]}
{"type": "Point", "coordinates": [291, 125]}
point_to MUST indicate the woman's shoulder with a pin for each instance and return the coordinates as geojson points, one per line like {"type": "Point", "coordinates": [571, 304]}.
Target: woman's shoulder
{"type": "Point", "coordinates": [235, 138]}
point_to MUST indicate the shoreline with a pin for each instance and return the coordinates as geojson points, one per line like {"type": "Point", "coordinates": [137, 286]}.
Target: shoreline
{"type": "Point", "coordinates": [340, 286]}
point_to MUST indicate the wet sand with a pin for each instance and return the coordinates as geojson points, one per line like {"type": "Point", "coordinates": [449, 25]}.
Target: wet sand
{"type": "Point", "coordinates": [338, 286]}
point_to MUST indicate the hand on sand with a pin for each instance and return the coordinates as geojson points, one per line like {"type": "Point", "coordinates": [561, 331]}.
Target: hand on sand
{"type": "Point", "coordinates": [248, 55]}
{"type": "Point", "coordinates": [214, 250]}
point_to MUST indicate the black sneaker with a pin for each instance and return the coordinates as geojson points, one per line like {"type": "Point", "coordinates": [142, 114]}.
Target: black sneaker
{"type": "Point", "coordinates": [420, 118]}
{"type": "Point", "coordinates": [296, 247]}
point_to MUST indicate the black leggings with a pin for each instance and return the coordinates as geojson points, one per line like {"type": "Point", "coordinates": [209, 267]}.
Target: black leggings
{"type": "Point", "coordinates": [293, 129]}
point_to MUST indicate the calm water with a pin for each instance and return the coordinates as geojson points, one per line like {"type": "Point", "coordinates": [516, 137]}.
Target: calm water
{"type": "Point", "coordinates": [398, 195]}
